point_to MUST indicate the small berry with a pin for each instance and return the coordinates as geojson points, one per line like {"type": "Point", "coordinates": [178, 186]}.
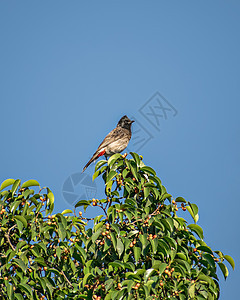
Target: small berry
{"type": "Point", "coordinates": [119, 285]}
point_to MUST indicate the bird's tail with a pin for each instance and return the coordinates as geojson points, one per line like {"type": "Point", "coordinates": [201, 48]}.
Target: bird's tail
{"type": "Point", "coordinates": [90, 161]}
{"type": "Point", "coordinates": [95, 156]}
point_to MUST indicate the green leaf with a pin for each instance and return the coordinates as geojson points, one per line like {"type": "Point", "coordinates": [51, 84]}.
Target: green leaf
{"type": "Point", "coordinates": [197, 229]}
{"type": "Point", "coordinates": [11, 255]}
{"type": "Point", "coordinates": [49, 287]}
{"type": "Point", "coordinates": [6, 183]}
{"type": "Point", "coordinates": [166, 196]}
{"type": "Point", "coordinates": [22, 219]}
{"type": "Point", "coordinates": [148, 170]}
{"type": "Point", "coordinates": [171, 242]}
{"type": "Point", "coordinates": [96, 235]}
{"type": "Point", "coordinates": [136, 158]}
{"type": "Point", "coordinates": [120, 247]}
{"type": "Point", "coordinates": [182, 256]}
{"type": "Point", "coordinates": [15, 186]}
{"type": "Point", "coordinates": [111, 175]}
{"type": "Point", "coordinates": [205, 278]}
{"type": "Point", "coordinates": [184, 264]}
{"type": "Point", "coordinates": [146, 192]}
{"type": "Point", "coordinates": [67, 211]}
{"type": "Point", "coordinates": [117, 264]}
{"type": "Point", "coordinates": [109, 186]}
{"type": "Point", "coordinates": [113, 239]}
{"type": "Point", "coordinates": [130, 265]}
{"type": "Point", "coordinates": [147, 274]}
{"type": "Point", "coordinates": [224, 270]}
{"type": "Point", "coordinates": [133, 168]}
{"type": "Point", "coordinates": [27, 193]}
{"type": "Point", "coordinates": [98, 172]}
{"type": "Point", "coordinates": [26, 288]}
{"type": "Point", "coordinates": [50, 201]}
{"type": "Point", "coordinates": [62, 231]}
{"type": "Point", "coordinates": [168, 223]}
{"type": "Point", "coordinates": [14, 206]}
{"type": "Point", "coordinates": [161, 267]}
{"type": "Point", "coordinates": [154, 244]}
{"type": "Point", "coordinates": [108, 284]}
{"type": "Point", "coordinates": [137, 253]}
{"type": "Point", "coordinates": [98, 225]}
{"type": "Point", "coordinates": [82, 251]}
{"type": "Point", "coordinates": [86, 277]}
{"type": "Point", "coordinates": [193, 210]}
{"type": "Point", "coordinates": [43, 283]}
{"type": "Point", "coordinates": [180, 199]}
{"type": "Point", "coordinates": [205, 249]}
{"type": "Point", "coordinates": [99, 164]}
{"type": "Point", "coordinates": [41, 261]}
{"type": "Point", "coordinates": [18, 296]}
{"type": "Point", "coordinates": [133, 232]}
{"type": "Point", "coordinates": [209, 259]}
{"type": "Point", "coordinates": [191, 291]}
{"type": "Point", "coordinates": [144, 240]}
{"type": "Point", "coordinates": [58, 252]}
{"type": "Point", "coordinates": [21, 264]}
{"type": "Point", "coordinates": [30, 182]}
{"type": "Point", "coordinates": [129, 284]}
{"type": "Point", "coordinates": [10, 291]}
{"type": "Point", "coordinates": [82, 203]}
{"type": "Point", "coordinates": [43, 246]}
{"type": "Point", "coordinates": [116, 228]}
{"type": "Point", "coordinates": [113, 158]}
{"type": "Point", "coordinates": [220, 254]}
{"type": "Point", "coordinates": [230, 260]}
{"type": "Point", "coordinates": [19, 225]}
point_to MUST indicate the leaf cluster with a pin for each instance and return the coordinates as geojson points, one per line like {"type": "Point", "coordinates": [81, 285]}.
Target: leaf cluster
{"type": "Point", "coordinates": [139, 248]}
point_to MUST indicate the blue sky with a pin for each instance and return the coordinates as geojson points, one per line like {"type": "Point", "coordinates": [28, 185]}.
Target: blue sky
{"type": "Point", "coordinates": [71, 69]}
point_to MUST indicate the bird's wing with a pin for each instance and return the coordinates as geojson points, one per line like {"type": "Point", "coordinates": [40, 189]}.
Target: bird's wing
{"type": "Point", "coordinates": [114, 135]}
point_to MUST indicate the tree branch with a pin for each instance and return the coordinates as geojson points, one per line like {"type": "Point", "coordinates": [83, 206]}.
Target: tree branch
{"type": "Point", "coordinates": [8, 238]}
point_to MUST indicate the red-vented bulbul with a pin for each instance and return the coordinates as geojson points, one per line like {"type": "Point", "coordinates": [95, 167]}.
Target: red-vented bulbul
{"type": "Point", "coordinates": [116, 141]}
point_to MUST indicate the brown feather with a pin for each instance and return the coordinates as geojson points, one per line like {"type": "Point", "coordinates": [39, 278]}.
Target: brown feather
{"type": "Point", "coordinates": [116, 141]}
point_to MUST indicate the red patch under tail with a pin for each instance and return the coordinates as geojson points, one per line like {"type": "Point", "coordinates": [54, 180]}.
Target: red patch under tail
{"type": "Point", "coordinates": [95, 156]}
{"type": "Point", "coordinates": [101, 153]}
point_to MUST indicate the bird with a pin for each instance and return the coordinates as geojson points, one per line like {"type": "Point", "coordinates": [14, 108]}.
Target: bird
{"type": "Point", "coordinates": [115, 142]}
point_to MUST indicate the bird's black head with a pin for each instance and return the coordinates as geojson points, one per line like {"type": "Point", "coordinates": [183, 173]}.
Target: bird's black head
{"type": "Point", "coordinates": [125, 122]}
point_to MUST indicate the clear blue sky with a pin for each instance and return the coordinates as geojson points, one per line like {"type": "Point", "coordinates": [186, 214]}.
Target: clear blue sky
{"type": "Point", "coordinates": [70, 69]}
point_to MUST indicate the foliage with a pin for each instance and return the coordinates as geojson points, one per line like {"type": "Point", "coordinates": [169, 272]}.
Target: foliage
{"type": "Point", "coordinates": [138, 249]}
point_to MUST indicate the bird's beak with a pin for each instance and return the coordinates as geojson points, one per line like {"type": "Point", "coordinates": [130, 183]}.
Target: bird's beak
{"type": "Point", "coordinates": [132, 121]}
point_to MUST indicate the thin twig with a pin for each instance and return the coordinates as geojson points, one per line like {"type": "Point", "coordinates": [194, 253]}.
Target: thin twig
{"type": "Point", "coordinates": [88, 219]}
{"type": "Point", "coordinates": [11, 245]}
{"type": "Point", "coordinates": [61, 272]}
{"type": "Point", "coordinates": [104, 209]}
{"type": "Point", "coordinates": [66, 278]}
{"type": "Point", "coordinates": [149, 216]}
{"type": "Point", "coordinates": [106, 205]}
{"type": "Point", "coordinates": [8, 238]}
{"type": "Point", "coordinates": [155, 210]}
{"type": "Point", "coordinates": [42, 189]}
